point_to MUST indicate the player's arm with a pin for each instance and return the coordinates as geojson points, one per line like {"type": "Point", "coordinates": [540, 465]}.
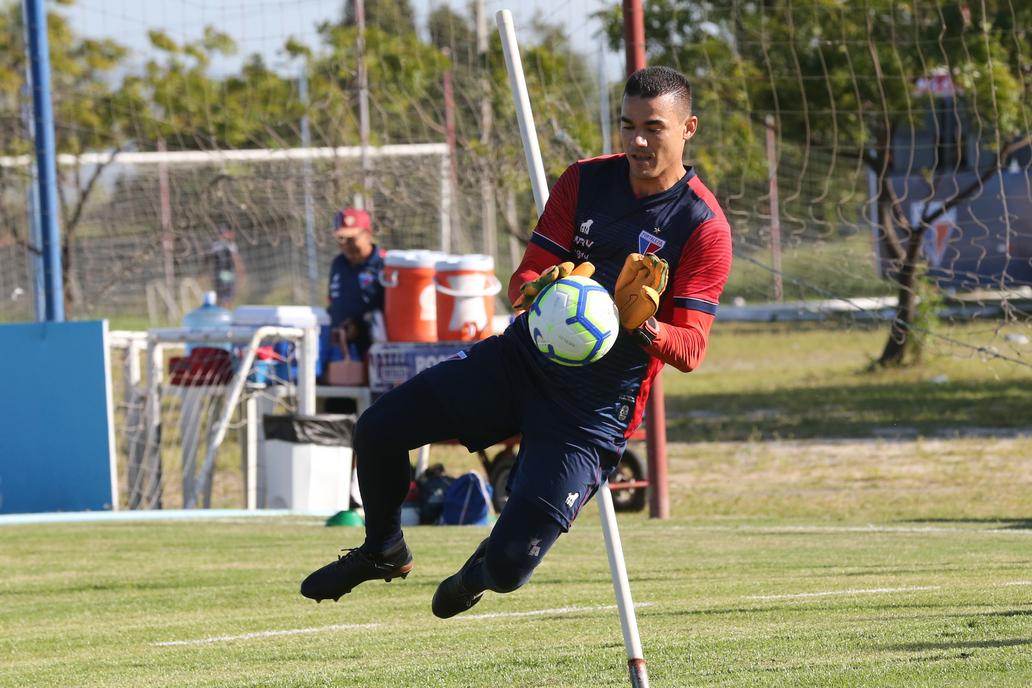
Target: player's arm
{"type": "Point", "coordinates": [552, 240]}
{"type": "Point", "coordinates": [680, 332]}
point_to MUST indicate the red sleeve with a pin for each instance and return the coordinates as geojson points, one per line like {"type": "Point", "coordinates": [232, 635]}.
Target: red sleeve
{"type": "Point", "coordinates": [689, 306]}
{"type": "Point", "coordinates": [552, 240]}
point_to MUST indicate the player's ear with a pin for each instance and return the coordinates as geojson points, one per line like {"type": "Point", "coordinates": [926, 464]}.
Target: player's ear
{"type": "Point", "coordinates": [690, 125]}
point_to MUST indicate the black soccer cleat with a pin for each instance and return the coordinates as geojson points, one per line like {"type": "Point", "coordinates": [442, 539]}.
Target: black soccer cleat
{"type": "Point", "coordinates": [452, 597]}
{"type": "Point", "coordinates": [356, 566]}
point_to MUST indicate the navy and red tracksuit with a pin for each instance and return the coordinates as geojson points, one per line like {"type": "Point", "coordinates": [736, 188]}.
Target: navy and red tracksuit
{"type": "Point", "coordinates": [574, 421]}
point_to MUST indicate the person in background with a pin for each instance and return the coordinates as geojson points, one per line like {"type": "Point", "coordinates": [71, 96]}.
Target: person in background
{"type": "Point", "coordinates": [355, 292]}
{"type": "Point", "coordinates": [227, 264]}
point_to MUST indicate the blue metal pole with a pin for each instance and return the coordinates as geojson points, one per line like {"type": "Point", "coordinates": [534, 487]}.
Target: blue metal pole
{"type": "Point", "coordinates": [35, 235]}
{"type": "Point", "coordinates": [46, 158]}
{"type": "Point", "coordinates": [306, 142]}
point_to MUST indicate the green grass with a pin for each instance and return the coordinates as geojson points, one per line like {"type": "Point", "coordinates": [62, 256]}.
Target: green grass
{"type": "Point", "coordinates": [787, 564]}
{"type": "Point", "coordinates": [802, 381]}
{"type": "Point", "coordinates": [877, 547]}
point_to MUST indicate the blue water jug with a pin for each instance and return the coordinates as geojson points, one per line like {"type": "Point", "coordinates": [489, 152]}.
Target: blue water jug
{"type": "Point", "coordinates": [209, 316]}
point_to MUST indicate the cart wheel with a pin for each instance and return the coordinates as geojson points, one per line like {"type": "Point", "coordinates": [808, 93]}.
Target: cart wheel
{"type": "Point", "coordinates": [501, 467]}
{"type": "Point", "coordinates": [630, 468]}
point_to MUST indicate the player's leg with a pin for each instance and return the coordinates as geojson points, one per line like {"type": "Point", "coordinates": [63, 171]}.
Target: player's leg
{"type": "Point", "coordinates": [551, 481]}
{"type": "Point", "coordinates": [503, 562]}
{"type": "Point", "coordinates": [465, 399]}
{"type": "Point", "coordinates": [406, 417]}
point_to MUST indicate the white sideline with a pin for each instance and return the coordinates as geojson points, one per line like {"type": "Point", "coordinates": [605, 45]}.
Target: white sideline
{"type": "Point", "coordinates": [265, 634]}
{"type": "Point", "coordinates": [351, 627]}
{"type": "Point", "coordinates": [829, 593]}
{"type": "Point", "coordinates": [1026, 532]}
{"type": "Point", "coordinates": [548, 612]}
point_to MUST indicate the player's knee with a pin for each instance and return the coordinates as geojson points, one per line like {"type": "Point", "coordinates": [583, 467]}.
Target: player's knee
{"type": "Point", "coordinates": [507, 575]}
{"type": "Point", "coordinates": [371, 431]}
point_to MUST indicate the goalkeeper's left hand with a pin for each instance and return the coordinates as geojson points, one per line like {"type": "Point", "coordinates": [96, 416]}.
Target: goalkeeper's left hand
{"type": "Point", "coordinates": [640, 284]}
{"type": "Point", "coordinates": [530, 290]}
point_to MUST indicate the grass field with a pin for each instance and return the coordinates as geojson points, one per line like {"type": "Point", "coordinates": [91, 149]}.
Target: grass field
{"type": "Point", "coordinates": [832, 527]}
{"type": "Point", "coordinates": [786, 564]}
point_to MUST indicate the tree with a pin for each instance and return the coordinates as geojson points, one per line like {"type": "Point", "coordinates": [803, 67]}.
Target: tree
{"type": "Point", "coordinates": [840, 77]}
{"type": "Point", "coordinates": [86, 115]}
{"type": "Point", "coordinates": [386, 15]}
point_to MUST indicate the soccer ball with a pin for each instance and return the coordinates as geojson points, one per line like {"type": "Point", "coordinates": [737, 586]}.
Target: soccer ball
{"type": "Point", "coordinates": [573, 321]}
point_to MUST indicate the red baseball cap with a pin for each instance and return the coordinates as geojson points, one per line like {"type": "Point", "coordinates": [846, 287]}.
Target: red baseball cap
{"type": "Point", "coordinates": [352, 220]}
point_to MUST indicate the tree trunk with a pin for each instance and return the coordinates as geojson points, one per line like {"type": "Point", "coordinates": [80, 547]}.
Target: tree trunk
{"type": "Point", "coordinates": [899, 334]}
{"type": "Point", "coordinates": [891, 214]}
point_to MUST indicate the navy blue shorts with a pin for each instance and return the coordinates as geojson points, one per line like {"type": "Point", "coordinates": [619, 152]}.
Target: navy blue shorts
{"type": "Point", "coordinates": [489, 396]}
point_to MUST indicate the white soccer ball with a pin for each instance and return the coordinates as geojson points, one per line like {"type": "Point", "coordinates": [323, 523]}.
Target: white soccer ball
{"type": "Point", "coordinates": [573, 321]}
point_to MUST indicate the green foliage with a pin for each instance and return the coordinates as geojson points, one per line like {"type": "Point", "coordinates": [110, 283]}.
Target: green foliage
{"type": "Point", "coordinates": [837, 76]}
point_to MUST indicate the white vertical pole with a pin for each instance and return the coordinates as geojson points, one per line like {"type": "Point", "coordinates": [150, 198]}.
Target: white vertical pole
{"type": "Point", "coordinates": [610, 531]}
{"type": "Point", "coordinates": [309, 350]}
{"type": "Point", "coordinates": [524, 115]}
{"type": "Point", "coordinates": [251, 453]}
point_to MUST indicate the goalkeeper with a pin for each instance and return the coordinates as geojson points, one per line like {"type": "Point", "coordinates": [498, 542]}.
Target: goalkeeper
{"type": "Point", "coordinates": [646, 228]}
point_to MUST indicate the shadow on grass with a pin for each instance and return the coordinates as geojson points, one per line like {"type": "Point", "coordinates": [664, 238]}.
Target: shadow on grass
{"type": "Point", "coordinates": [1016, 523]}
{"type": "Point", "coordinates": [857, 409]}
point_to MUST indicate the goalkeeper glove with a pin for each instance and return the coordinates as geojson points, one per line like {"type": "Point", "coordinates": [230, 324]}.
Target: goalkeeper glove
{"type": "Point", "coordinates": [530, 290]}
{"type": "Point", "coordinates": [638, 288]}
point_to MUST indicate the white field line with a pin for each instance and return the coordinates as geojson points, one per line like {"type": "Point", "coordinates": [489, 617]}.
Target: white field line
{"type": "Point", "coordinates": [349, 627]}
{"type": "Point", "coordinates": [548, 612]}
{"type": "Point", "coordinates": [830, 593]}
{"type": "Point", "coordinates": [746, 530]}
{"type": "Point", "coordinates": [266, 634]}
{"type": "Point", "coordinates": [1021, 582]}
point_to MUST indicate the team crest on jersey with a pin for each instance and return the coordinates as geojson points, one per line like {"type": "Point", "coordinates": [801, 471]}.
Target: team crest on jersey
{"type": "Point", "coordinates": [365, 279]}
{"type": "Point", "coordinates": [649, 243]}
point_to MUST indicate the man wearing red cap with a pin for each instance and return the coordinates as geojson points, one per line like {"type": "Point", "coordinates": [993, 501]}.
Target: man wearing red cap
{"type": "Point", "coordinates": [355, 295]}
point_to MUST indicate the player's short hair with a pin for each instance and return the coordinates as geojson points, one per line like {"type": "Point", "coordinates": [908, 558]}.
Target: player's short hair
{"type": "Point", "coordinates": [652, 82]}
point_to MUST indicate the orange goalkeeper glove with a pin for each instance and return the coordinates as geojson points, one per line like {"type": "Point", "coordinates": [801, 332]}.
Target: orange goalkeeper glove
{"type": "Point", "coordinates": [530, 290]}
{"type": "Point", "coordinates": [638, 288]}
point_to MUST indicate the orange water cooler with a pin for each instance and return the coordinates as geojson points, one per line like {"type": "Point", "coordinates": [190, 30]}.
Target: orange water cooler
{"type": "Point", "coordinates": [466, 287]}
{"type": "Point", "coordinates": [410, 307]}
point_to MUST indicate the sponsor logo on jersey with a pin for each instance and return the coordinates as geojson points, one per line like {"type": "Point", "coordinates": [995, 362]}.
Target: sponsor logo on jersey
{"type": "Point", "coordinates": [649, 243]}
{"type": "Point", "coordinates": [571, 499]}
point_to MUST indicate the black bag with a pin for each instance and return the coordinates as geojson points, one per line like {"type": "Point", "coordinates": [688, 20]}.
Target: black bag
{"type": "Point", "coordinates": [432, 486]}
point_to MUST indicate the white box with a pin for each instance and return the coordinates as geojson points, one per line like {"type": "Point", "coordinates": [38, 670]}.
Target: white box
{"type": "Point", "coordinates": [283, 316]}
{"type": "Point", "coordinates": [308, 478]}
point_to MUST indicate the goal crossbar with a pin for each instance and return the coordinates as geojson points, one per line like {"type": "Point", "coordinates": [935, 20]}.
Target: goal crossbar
{"type": "Point", "coordinates": [237, 155]}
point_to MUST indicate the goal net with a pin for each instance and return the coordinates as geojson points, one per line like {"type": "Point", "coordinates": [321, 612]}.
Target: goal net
{"type": "Point", "coordinates": [150, 221]}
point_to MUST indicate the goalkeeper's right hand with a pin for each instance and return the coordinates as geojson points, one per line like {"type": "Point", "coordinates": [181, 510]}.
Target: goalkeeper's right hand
{"type": "Point", "coordinates": [530, 290]}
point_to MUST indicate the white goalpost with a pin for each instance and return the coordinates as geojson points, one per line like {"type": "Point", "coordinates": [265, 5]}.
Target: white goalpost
{"type": "Point", "coordinates": [146, 221]}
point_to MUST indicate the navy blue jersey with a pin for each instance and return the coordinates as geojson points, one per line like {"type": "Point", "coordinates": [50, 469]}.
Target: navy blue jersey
{"type": "Point", "coordinates": [593, 215]}
{"type": "Point", "coordinates": [355, 290]}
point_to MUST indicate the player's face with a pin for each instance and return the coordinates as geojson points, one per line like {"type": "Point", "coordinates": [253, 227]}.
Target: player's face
{"type": "Point", "coordinates": [654, 131]}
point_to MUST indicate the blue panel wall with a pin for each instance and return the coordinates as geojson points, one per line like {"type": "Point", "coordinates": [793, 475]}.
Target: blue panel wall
{"type": "Point", "coordinates": [56, 439]}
